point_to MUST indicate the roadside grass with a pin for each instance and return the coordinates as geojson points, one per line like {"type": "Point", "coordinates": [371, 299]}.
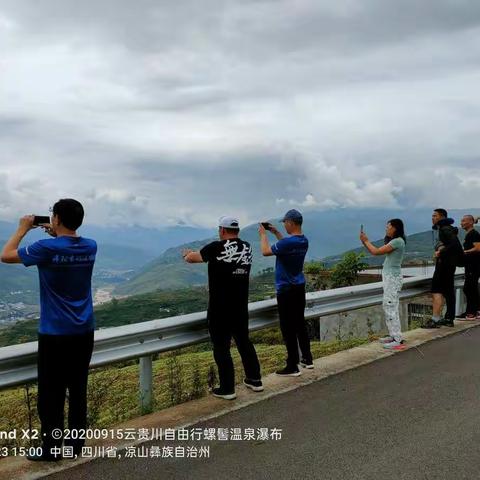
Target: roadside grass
{"type": "Point", "coordinates": [177, 377]}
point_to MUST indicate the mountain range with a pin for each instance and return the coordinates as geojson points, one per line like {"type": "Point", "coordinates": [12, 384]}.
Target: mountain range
{"type": "Point", "coordinates": [330, 234]}
{"type": "Point", "coordinates": [138, 259]}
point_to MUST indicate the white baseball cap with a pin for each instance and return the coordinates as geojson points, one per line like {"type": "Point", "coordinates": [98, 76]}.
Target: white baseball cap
{"type": "Point", "coordinates": [229, 222]}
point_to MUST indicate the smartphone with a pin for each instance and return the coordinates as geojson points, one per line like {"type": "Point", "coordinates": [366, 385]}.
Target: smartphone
{"type": "Point", "coordinates": [361, 228]}
{"type": "Point", "coordinates": [41, 220]}
{"type": "Point", "coordinates": [266, 225]}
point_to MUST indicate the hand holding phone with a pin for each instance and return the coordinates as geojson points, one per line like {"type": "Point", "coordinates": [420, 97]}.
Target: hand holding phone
{"type": "Point", "coordinates": [41, 220]}
{"type": "Point", "coordinates": [266, 225]}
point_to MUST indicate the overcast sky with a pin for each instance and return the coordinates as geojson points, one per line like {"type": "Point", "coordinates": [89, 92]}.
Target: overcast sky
{"type": "Point", "coordinates": [156, 112]}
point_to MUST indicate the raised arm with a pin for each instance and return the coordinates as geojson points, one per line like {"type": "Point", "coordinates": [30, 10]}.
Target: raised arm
{"type": "Point", "coordinates": [264, 243]}
{"type": "Point", "coordinates": [10, 249]}
{"type": "Point", "coordinates": [191, 256]}
{"type": "Point", "coordinates": [383, 250]}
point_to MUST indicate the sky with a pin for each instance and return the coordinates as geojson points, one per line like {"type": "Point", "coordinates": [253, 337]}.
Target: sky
{"type": "Point", "coordinates": [158, 113]}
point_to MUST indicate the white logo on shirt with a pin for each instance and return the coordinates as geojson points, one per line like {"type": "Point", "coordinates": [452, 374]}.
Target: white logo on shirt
{"type": "Point", "coordinates": [231, 254]}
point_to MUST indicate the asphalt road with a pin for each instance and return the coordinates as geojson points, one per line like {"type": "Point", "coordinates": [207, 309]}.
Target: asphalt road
{"type": "Point", "coordinates": [414, 415]}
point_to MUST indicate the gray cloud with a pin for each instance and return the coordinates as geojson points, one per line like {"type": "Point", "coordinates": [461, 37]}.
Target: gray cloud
{"type": "Point", "coordinates": [182, 111]}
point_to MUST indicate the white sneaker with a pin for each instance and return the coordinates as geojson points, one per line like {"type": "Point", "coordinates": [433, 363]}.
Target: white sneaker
{"type": "Point", "coordinates": [394, 345]}
{"type": "Point", "coordinates": [386, 339]}
{"type": "Point", "coordinates": [306, 364]}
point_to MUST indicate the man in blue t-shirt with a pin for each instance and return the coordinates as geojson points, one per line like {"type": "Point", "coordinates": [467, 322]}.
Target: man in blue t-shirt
{"type": "Point", "coordinates": [65, 335]}
{"type": "Point", "coordinates": [290, 287]}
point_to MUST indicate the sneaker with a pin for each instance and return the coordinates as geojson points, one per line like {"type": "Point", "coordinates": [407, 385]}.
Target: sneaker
{"type": "Point", "coordinates": [386, 339]}
{"type": "Point", "coordinates": [306, 364]}
{"type": "Point", "coordinates": [462, 315]}
{"type": "Point", "coordinates": [431, 324]}
{"type": "Point", "coordinates": [255, 385]}
{"type": "Point", "coordinates": [470, 316]}
{"type": "Point", "coordinates": [220, 393]}
{"type": "Point", "coordinates": [478, 315]}
{"type": "Point", "coordinates": [289, 372]}
{"type": "Point", "coordinates": [394, 345]}
{"type": "Point", "coordinates": [446, 322]}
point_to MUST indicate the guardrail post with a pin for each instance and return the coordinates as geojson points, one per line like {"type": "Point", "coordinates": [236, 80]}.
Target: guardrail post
{"type": "Point", "coordinates": [146, 381]}
{"type": "Point", "coordinates": [460, 301]}
{"type": "Point", "coordinates": [404, 316]}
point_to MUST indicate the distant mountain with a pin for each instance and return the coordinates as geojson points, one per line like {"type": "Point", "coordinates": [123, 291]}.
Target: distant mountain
{"type": "Point", "coordinates": [147, 259]}
{"type": "Point", "coordinates": [419, 248]}
{"type": "Point", "coordinates": [337, 230]}
{"type": "Point", "coordinates": [121, 252]}
{"type": "Point", "coordinates": [329, 232]}
{"type": "Point", "coordinates": [152, 241]}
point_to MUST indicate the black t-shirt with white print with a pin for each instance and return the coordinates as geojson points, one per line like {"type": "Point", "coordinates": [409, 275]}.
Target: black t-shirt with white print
{"type": "Point", "coordinates": [229, 264]}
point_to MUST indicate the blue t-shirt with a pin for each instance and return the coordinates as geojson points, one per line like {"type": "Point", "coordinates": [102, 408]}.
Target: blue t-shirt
{"type": "Point", "coordinates": [290, 253]}
{"type": "Point", "coordinates": [65, 266]}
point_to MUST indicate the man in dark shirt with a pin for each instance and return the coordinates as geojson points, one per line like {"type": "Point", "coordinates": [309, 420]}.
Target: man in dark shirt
{"type": "Point", "coordinates": [448, 254]}
{"type": "Point", "coordinates": [290, 286]}
{"type": "Point", "coordinates": [229, 263]}
{"type": "Point", "coordinates": [65, 335]}
{"type": "Point", "coordinates": [471, 247]}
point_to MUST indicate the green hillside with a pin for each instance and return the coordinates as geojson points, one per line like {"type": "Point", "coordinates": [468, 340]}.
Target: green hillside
{"type": "Point", "coordinates": [140, 308]}
{"type": "Point", "coordinates": [169, 270]}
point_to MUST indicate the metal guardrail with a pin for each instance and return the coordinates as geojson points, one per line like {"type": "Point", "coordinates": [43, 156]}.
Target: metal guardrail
{"type": "Point", "coordinates": [18, 363]}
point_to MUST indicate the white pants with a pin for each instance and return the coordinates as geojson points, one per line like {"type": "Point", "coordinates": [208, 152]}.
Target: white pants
{"type": "Point", "coordinates": [392, 285]}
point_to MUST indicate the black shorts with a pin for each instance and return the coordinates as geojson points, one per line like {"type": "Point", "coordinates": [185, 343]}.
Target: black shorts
{"type": "Point", "coordinates": [443, 280]}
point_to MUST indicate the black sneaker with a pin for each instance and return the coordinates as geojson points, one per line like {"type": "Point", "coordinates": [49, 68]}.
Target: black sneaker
{"type": "Point", "coordinates": [462, 315]}
{"type": "Point", "coordinates": [430, 324]}
{"type": "Point", "coordinates": [220, 393]}
{"type": "Point", "coordinates": [446, 322]}
{"type": "Point", "coordinates": [289, 372]}
{"type": "Point", "coordinates": [306, 364]}
{"type": "Point", "coordinates": [255, 385]}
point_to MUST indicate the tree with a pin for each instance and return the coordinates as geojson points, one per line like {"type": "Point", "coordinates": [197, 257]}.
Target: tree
{"type": "Point", "coordinates": [314, 267]}
{"type": "Point", "coordinates": [345, 272]}
{"type": "Point", "coordinates": [316, 275]}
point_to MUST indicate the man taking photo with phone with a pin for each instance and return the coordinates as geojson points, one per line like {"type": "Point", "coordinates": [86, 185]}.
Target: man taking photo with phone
{"type": "Point", "coordinates": [65, 335]}
{"type": "Point", "coordinates": [290, 287]}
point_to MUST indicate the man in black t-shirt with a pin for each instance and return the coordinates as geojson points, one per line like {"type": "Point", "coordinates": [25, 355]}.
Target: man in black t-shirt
{"type": "Point", "coordinates": [471, 246]}
{"type": "Point", "coordinates": [229, 262]}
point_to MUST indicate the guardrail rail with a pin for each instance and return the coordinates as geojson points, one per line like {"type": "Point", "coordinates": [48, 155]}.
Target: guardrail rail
{"type": "Point", "coordinates": [18, 363]}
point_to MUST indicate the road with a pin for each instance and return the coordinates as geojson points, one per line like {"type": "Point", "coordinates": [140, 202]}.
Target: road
{"type": "Point", "coordinates": [414, 416]}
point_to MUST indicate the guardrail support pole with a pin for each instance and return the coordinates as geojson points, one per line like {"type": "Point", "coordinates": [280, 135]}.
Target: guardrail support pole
{"type": "Point", "coordinates": [460, 301]}
{"type": "Point", "coordinates": [404, 316]}
{"type": "Point", "coordinates": [146, 381]}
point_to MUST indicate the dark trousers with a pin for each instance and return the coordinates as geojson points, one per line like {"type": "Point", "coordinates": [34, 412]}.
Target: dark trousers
{"type": "Point", "coordinates": [63, 362]}
{"type": "Point", "coordinates": [291, 310]}
{"type": "Point", "coordinates": [444, 282]}
{"type": "Point", "coordinates": [223, 327]}
{"type": "Point", "coordinates": [470, 288]}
